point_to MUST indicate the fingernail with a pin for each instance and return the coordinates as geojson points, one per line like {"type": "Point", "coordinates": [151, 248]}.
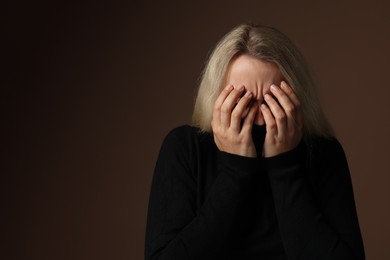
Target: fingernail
{"type": "Point", "coordinates": [229, 87]}
{"type": "Point", "coordinates": [267, 97]}
{"type": "Point", "coordinates": [248, 94]}
{"type": "Point", "coordinates": [263, 107]}
{"type": "Point", "coordinates": [274, 88]}
{"type": "Point", "coordinates": [283, 84]}
{"type": "Point", "coordinates": [241, 87]}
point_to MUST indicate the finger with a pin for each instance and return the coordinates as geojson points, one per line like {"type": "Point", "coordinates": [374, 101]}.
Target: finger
{"type": "Point", "coordinates": [294, 98]}
{"type": "Point", "coordinates": [270, 122]}
{"type": "Point", "coordinates": [246, 110]}
{"type": "Point", "coordinates": [238, 110]}
{"type": "Point", "coordinates": [218, 103]}
{"type": "Point", "coordinates": [278, 114]}
{"type": "Point", "coordinates": [259, 119]}
{"type": "Point", "coordinates": [228, 105]}
{"type": "Point", "coordinates": [249, 119]}
{"type": "Point", "coordinates": [287, 105]}
{"type": "Point", "coordinates": [284, 100]}
{"type": "Point", "coordinates": [290, 92]}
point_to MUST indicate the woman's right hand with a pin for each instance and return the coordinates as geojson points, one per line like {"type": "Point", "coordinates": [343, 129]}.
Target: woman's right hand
{"type": "Point", "coordinates": [229, 135]}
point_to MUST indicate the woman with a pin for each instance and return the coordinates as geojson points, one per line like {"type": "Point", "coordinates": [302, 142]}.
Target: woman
{"type": "Point", "coordinates": [259, 174]}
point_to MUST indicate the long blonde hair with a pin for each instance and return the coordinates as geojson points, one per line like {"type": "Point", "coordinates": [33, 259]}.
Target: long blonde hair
{"type": "Point", "coordinates": [267, 44]}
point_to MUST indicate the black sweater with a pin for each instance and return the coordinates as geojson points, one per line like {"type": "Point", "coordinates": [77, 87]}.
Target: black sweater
{"type": "Point", "coordinates": [208, 204]}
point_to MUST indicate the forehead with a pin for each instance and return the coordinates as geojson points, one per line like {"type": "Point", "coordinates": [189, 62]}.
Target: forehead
{"type": "Point", "coordinates": [245, 69]}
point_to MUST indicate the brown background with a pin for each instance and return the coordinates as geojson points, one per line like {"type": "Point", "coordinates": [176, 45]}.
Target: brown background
{"type": "Point", "coordinates": [90, 91]}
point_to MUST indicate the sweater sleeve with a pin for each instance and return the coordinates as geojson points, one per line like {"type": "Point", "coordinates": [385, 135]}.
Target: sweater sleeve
{"type": "Point", "coordinates": [176, 229]}
{"type": "Point", "coordinates": [322, 228]}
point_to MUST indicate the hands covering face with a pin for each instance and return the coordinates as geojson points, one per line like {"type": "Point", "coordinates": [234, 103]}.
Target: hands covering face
{"type": "Point", "coordinates": [232, 121]}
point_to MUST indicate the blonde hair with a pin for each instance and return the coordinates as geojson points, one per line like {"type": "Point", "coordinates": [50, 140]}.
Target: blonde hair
{"type": "Point", "coordinates": [267, 44]}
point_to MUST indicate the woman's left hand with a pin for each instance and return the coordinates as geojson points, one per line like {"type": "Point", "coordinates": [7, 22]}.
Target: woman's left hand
{"type": "Point", "coordinates": [284, 122]}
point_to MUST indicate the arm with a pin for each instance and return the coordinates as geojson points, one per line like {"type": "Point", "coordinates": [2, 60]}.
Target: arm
{"type": "Point", "coordinates": [325, 227]}
{"type": "Point", "coordinates": [176, 229]}
{"type": "Point", "coordinates": [322, 228]}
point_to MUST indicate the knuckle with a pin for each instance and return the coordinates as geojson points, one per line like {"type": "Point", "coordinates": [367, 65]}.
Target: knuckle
{"type": "Point", "coordinates": [281, 116]}
{"type": "Point", "coordinates": [288, 90]}
{"type": "Point", "coordinates": [272, 126]}
{"type": "Point", "coordinates": [290, 109]}
{"type": "Point", "coordinates": [237, 111]}
{"type": "Point", "coordinates": [236, 115]}
{"type": "Point", "coordinates": [225, 109]}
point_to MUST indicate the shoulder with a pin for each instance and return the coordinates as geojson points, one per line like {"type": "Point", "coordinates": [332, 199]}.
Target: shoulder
{"type": "Point", "coordinates": [183, 139]}
{"type": "Point", "coordinates": [329, 158]}
{"type": "Point", "coordinates": [183, 133]}
{"type": "Point", "coordinates": [179, 148]}
{"type": "Point", "coordinates": [329, 147]}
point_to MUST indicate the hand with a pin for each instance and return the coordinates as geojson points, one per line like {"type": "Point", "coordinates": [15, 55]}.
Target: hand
{"type": "Point", "coordinates": [283, 122]}
{"type": "Point", "coordinates": [229, 135]}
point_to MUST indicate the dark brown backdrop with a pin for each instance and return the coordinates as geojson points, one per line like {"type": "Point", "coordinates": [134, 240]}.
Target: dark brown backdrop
{"type": "Point", "coordinates": [90, 91]}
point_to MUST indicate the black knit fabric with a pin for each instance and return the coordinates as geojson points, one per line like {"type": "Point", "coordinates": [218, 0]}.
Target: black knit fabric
{"type": "Point", "coordinates": [208, 204]}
